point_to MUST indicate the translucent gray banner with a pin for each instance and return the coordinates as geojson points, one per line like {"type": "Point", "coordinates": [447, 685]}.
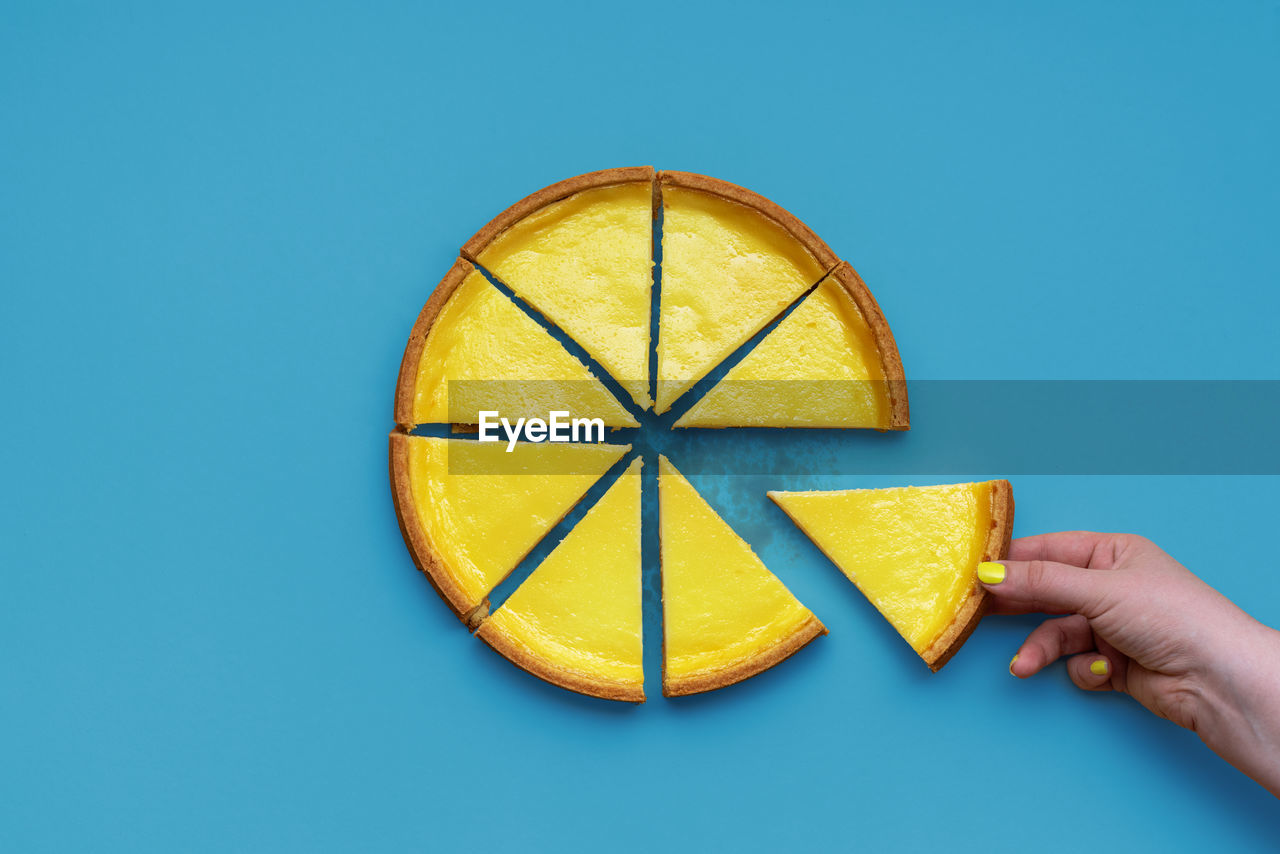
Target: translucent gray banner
{"type": "Point", "coordinates": [1000, 427]}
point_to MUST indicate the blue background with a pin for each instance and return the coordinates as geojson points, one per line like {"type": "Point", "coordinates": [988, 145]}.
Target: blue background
{"type": "Point", "coordinates": [217, 225]}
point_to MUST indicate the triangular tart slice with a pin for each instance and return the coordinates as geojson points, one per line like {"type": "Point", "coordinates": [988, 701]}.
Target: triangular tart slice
{"type": "Point", "coordinates": [725, 616]}
{"type": "Point", "coordinates": [913, 551]}
{"type": "Point", "coordinates": [732, 261]}
{"type": "Point", "coordinates": [472, 349]}
{"type": "Point", "coordinates": [470, 511]}
{"type": "Point", "coordinates": [832, 362]}
{"type": "Point", "coordinates": [581, 253]}
{"type": "Point", "coordinates": [576, 621]}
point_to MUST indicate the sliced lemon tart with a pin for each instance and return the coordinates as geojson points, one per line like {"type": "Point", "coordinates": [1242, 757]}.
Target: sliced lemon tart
{"type": "Point", "coordinates": [472, 349]}
{"type": "Point", "coordinates": [470, 511]}
{"type": "Point", "coordinates": [576, 621]}
{"type": "Point", "coordinates": [913, 551]}
{"type": "Point", "coordinates": [581, 253]}
{"type": "Point", "coordinates": [831, 362]}
{"type": "Point", "coordinates": [732, 261]}
{"type": "Point", "coordinates": [725, 616]}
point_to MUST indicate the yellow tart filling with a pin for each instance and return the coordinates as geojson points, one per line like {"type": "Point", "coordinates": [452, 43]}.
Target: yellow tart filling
{"type": "Point", "coordinates": [721, 607]}
{"type": "Point", "coordinates": [586, 263]}
{"type": "Point", "coordinates": [913, 551]}
{"type": "Point", "coordinates": [727, 271]}
{"type": "Point", "coordinates": [480, 525]}
{"type": "Point", "coordinates": [576, 620]}
{"type": "Point", "coordinates": [820, 367]}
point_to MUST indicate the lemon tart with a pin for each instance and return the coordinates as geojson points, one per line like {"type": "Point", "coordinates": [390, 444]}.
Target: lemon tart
{"type": "Point", "coordinates": [470, 511]}
{"type": "Point", "coordinates": [913, 551]}
{"type": "Point", "coordinates": [581, 253]}
{"type": "Point", "coordinates": [831, 362]}
{"type": "Point", "coordinates": [732, 261]}
{"type": "Point", "coordinates": [725, 616]}
{"type": "Point", "coordinates": [576, 621]}
{"type": "Point", "coordinates": [472, 349]}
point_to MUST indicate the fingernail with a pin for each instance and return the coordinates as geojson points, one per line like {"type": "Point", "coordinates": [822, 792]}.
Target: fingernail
{"type": "Point", "coordinates": [1012, 661]}
{"type": "Point", "coordinates": [1099, 667]}
{"type": "Point", "coordinates": [990, 572]}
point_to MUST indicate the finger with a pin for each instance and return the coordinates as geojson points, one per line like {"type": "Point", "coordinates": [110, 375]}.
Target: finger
{"type": "Point", "coordinates": [1051, 640]}
{"type": "Point", "coordinates": [1073, 547]}
{"type": "Point", "coordinates": [1021, 587]}
{"type": "Point", "coordinates": [1118, 664]}
{"type": "Point", "coordinates": [1090, 671]}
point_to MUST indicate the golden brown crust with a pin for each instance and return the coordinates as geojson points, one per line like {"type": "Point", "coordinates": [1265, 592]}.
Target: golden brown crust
{"type": "Point", "coordinates": [788, 646]}
{"type": "Point", "coordinates": [890, 361]}
{"type": "Point", "coordinates": [816, 246]}
{"type": "Point", "coordinates": [974, 607]}
{"type": "Point", "coordinates": [472, 249]}
{"type": "Point", "coordinates": [949, 642]}
{"type": "Point", "coordinates": [406, 384]}
{"type": "Point", "coordinates": [1001, 533]}
{"type": "Point", "coordinates": [424, 555]}
{"type": "Point", "coordinates": [549, 671]}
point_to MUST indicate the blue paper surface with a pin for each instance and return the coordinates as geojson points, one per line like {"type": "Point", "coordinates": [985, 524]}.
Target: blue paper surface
{"type": "Point", "coordinates": [218, 224]}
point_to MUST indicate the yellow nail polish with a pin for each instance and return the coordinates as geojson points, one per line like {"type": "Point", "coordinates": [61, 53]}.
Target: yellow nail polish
{"type": "Point", "coordinates": [990, 572]}
{"type": "Point", "coordinates": [1099, 667]}
{"type": "Point", "coordinates": [1011, 663]}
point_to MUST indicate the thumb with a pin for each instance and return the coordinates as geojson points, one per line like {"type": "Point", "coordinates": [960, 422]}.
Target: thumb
{"type": "Point", "coordinates": [1023, 586]}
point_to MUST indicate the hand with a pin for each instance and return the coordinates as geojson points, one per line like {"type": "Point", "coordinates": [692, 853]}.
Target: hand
{"type": "Point", "coordinates": [1142, 623]}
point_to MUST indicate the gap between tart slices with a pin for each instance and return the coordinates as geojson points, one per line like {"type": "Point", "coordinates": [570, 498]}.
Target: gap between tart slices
{"type": "Point", "coordinates": [655, 293]}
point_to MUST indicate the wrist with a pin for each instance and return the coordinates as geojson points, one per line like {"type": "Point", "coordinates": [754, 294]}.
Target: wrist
{"type": "Point", "coordinates": [1237, 710]}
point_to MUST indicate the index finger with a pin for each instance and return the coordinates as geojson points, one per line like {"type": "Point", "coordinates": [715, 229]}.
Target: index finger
{"type": "Point", "coordinates": [1071, 547]}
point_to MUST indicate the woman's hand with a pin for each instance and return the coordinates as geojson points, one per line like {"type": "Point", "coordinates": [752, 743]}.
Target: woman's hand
{"type": "Point", "coordinates": [1142, 623]}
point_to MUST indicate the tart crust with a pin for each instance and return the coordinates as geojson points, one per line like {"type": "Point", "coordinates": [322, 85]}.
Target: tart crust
{"type": "Point", "coordinates": [551, 672]}
{"type": "Point", "coordinates": [811, 628]}
{"type": "Point", "coordinates": [890, 362]}
{"type": "Point", "coordinates": [424, 555]}
{"type": "Point", "coordinates": [816, 246]}
{"type": "Point", "coordinates": [975, 606]}
{"type": "Point", "coordinates": [547, 195]}
{"type": "Point", "coordinates": [406, 383]}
